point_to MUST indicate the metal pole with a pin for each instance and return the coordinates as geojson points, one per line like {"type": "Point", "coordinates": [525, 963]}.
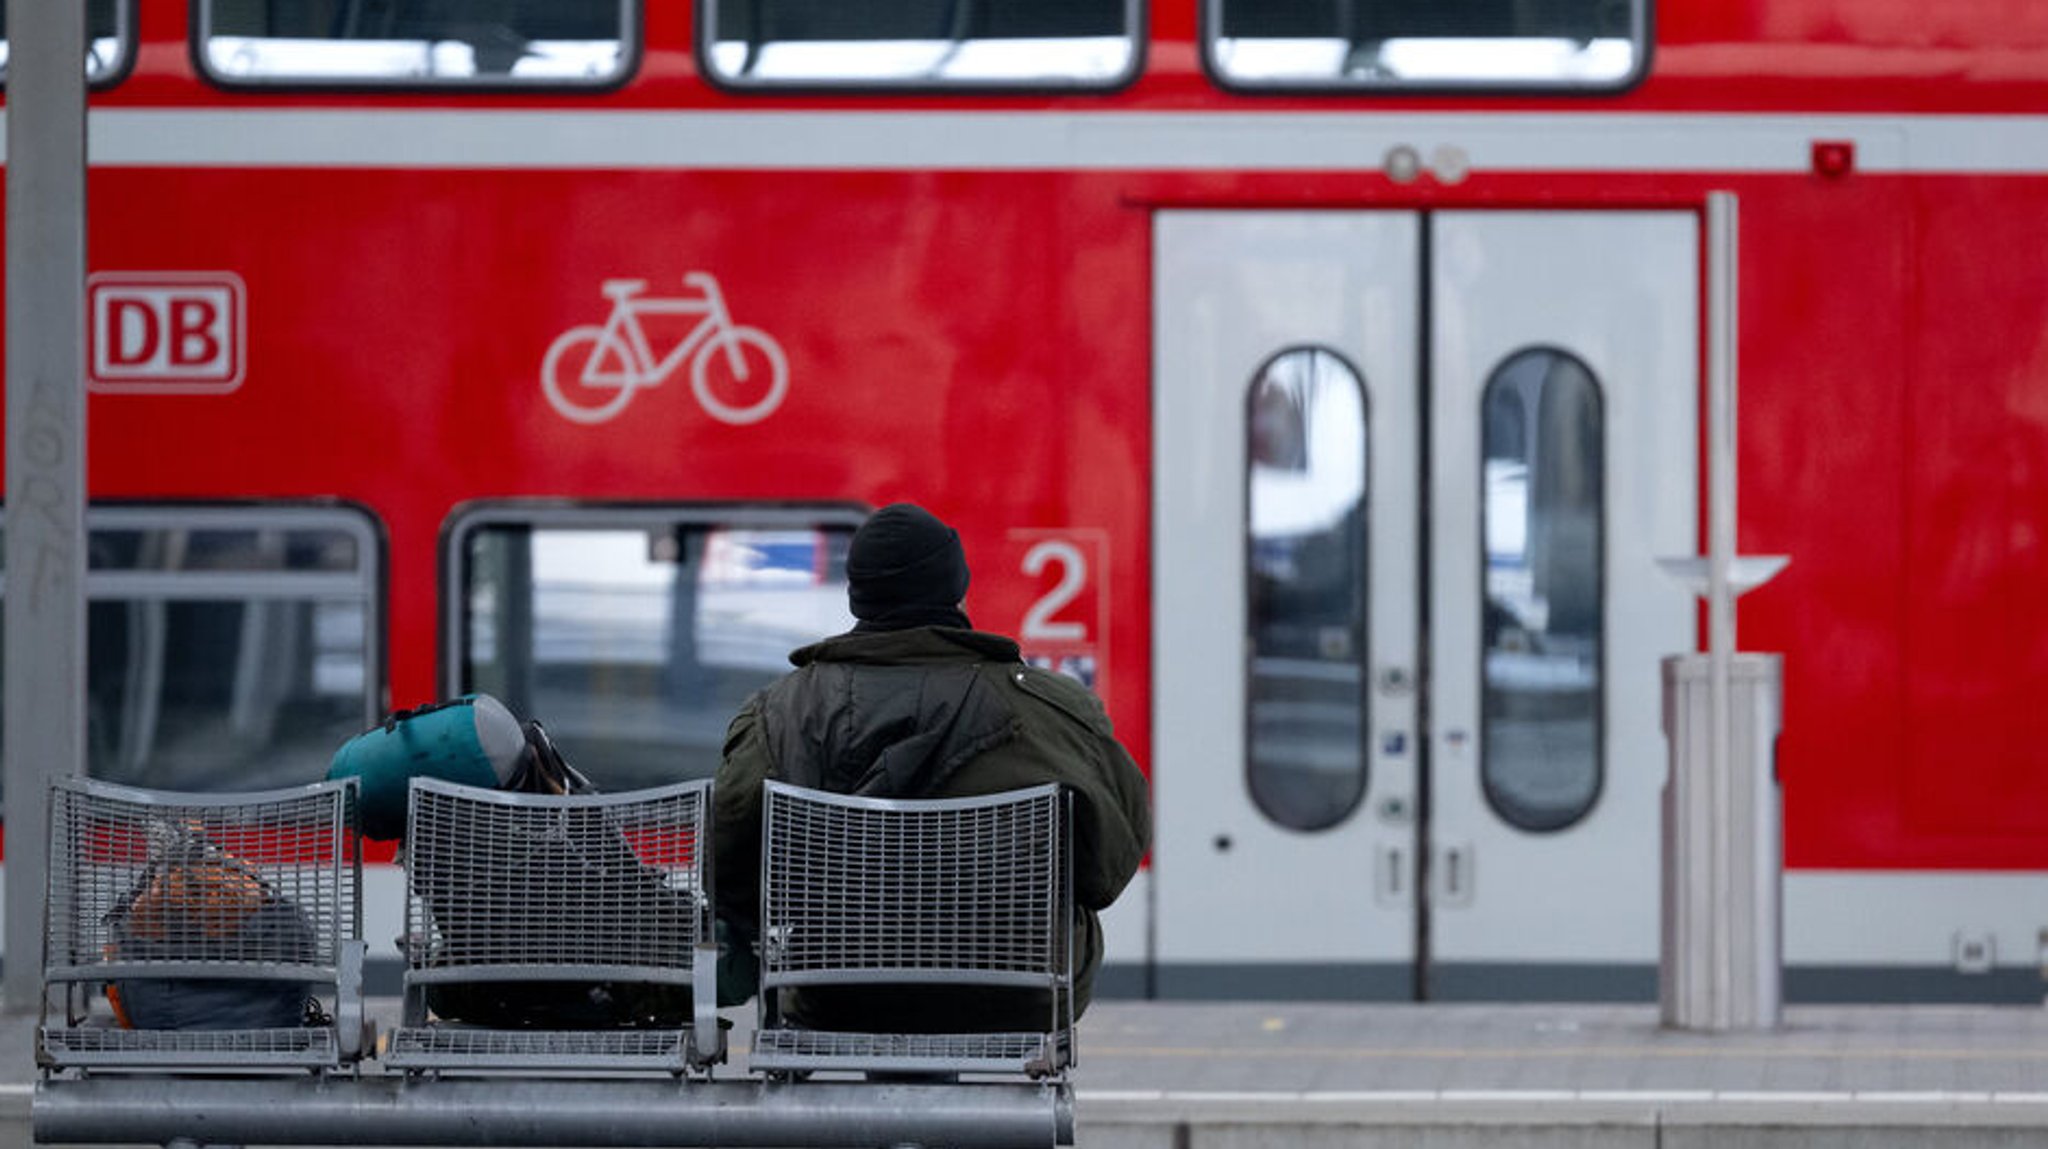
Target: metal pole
{"type": "Point", "coordinates": [1721, 369]}
{"type": "Point", "coordinates": [391, 1110]}
{"type": "Point", "coordinates": [44, 650]}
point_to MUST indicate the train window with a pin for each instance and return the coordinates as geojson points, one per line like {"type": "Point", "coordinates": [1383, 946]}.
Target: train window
{"type": "Point", "coordinates": [228, 648]}
{"type": "Point", "coordinates": [414, 42]}
{"type": "Point", "coordinates": [109, 32]}
{"type": "Point", "coordinates": [921, 43]}
{"type": "Point", "coordinates": [1600, 45]}
{"type": "Point", "coordinates": [1306, 584]}
{"type": "Point", "coordinates": [1541, 629]}
{"type": "Point", "coordinates": [634, 634]}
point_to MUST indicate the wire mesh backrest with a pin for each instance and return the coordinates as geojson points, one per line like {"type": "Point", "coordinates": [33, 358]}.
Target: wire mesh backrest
{"type": "Point", "coordinates": [148, 876]}
{"type": "Point", "coordinates": [556, 881]}
{"type": "Point", "coordinates": [964, 889]}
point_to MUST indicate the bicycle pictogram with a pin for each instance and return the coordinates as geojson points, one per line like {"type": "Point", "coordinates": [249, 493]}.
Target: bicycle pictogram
{"type": "Point", "coordinates": [591, 372]}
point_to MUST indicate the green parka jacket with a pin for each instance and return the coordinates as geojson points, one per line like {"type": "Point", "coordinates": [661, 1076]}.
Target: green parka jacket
{"type": "Point", "coordinates": [930, 712]}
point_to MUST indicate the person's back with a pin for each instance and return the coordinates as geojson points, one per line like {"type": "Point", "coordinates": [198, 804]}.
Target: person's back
{"type": "Point", "coordinates": [914, 703]}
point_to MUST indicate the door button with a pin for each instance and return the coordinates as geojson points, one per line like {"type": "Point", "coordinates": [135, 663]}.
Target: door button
{"type": "Point", "coordinates": [1394, 809]}
{"type": "Point", "coordinates": [1455, 871]}
{"type": "Point", "coordinates": [1394, 681]}
{"type": "Point", "coordinates": [1390, 876]}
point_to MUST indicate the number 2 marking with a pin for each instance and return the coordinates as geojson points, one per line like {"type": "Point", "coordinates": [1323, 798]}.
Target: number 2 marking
{"type": "Point", "coordinates": [1038, 621]}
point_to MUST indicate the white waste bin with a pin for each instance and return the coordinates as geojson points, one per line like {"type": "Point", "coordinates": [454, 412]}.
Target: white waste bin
{"type": "Point", "coordinates": [1723, 882]}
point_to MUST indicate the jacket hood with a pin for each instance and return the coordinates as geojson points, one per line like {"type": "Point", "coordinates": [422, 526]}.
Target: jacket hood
{"type": "Point", "coordinates": [918, 645]}
{"type": "Point", "coordinates": [889, 714]}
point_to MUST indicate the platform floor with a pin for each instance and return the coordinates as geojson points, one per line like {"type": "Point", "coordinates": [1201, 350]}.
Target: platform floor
{"type": "Point", "coordinates": [1211, 1076]}
{"type": "Point", "coordinates": [1440, 1075]}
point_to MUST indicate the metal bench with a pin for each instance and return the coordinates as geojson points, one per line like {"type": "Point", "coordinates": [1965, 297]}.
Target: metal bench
{"type": "Point", "coordinates": [916, 895]}
{"type": "Point", "coordinates": [578, 928]}
{"type": "Point", "coordinates": [548, 890]}
{"type": "Point", "coordinates": [197, 903]}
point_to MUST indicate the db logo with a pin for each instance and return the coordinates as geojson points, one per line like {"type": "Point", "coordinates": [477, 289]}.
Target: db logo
{"type": "Point", "coordinates": [165, 332]}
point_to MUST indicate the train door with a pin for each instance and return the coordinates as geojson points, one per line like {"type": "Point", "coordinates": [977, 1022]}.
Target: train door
{"type": "Point", "coordinates": [1413, 472]}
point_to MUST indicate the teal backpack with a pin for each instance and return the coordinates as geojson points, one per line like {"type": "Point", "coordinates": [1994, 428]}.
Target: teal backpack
{"type": "Point", "coordinates": [473, 740]}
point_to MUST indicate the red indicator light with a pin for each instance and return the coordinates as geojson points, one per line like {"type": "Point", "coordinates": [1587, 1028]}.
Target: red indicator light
{"type": "Point", "coordinates": [1833, 159]}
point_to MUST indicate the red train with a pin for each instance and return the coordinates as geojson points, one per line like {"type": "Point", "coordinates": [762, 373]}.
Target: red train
{"type": "Point", "coordinates": [1319, 381]}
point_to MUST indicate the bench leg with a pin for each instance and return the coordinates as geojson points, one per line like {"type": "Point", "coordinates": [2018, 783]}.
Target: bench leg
{"type": "Point", "coordinates": [707, 1042]}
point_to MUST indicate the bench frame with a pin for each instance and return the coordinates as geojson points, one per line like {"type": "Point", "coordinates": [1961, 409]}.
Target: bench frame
{"type": "Point", "coordinates": [315, 867]}
{"type": "Point", "coordinates": [945, 916]}
{"type": "Point", "coordinates": [550, 1100]}
{"type": "Point", "coordinates": [452, 824]}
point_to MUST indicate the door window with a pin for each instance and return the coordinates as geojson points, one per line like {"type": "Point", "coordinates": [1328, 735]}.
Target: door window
{"type": "Point", "coordinates": [1306, 578]}
{"type": "Point", "coordinates": [1543, 475]}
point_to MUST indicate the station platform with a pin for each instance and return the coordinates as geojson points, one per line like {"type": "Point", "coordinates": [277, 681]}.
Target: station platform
{"type": "Point", "coordinates": [1181, 1075]}
{"type": "Point", "coordinates": [1305, 1075]}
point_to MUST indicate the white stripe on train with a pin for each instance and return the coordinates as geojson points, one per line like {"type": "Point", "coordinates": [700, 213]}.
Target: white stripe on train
{"type": "Point", "coordinates": [1052, 141]}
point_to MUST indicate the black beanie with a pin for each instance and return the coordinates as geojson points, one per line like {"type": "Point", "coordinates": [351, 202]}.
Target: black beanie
{"type": "Point", "coordinates": [905, 567]}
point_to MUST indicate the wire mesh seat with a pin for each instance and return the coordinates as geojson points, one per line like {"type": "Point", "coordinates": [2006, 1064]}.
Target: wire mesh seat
{"type": "Point", "coordinates": [916, 896]}
{"type": "Point", "coordinates": [227, 926]}
{"type": "Point", "coordinates": [558, 932]}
